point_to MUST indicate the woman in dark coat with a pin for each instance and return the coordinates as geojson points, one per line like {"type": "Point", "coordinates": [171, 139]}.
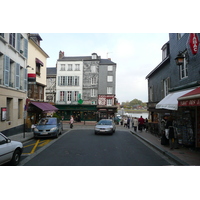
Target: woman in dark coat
{"type": "Point", "coordinates": [169, 126]}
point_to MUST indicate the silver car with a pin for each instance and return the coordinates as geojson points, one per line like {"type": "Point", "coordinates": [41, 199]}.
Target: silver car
{"type": "Point", "coordinates": [105, 126]}
{"type": "Point", "coordinates": [48, 127]}
{"type": "Point", "coordinates": [10, 151]}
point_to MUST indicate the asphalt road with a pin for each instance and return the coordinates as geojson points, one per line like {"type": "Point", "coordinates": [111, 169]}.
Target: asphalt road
{"type": "Point", "coordinates": [84, 148]}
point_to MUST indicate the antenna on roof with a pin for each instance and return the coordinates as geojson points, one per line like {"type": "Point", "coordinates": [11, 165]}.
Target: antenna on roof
{"type": "Point", "coordinates": [108, 53]}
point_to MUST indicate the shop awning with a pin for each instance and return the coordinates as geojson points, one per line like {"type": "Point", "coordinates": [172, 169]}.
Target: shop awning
{"type": "Point", "coordinates": [170, 102]}
{"type": "Point", "coordinates": [190, 99]}
{"type": "Point", "coordinates": [39, 61]}
{"type": "Point", "coordinates": [45, 107]}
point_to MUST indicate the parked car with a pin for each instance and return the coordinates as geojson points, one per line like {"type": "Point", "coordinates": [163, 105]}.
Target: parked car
{"type": "Point", "coordinates": [106, 126]}
{"type": "Point", "coordinates": [48, 127]}
{"type": "Point", "coordinates": [10, 151]}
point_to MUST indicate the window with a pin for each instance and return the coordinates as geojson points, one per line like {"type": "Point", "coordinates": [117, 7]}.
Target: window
{"type": "Point", "coordinates": [93, 80]}
{"type": "Point", "coordinates": [69, 67]}
{"type": "Point", "coordinates": [20, 110]}
{"type": "Point", "coordinates": [69, 95]}
{"type": "Point", "coordinates": [166, 85]}
{"type": "Point", "coordinates": [110, 78]}
{"type": "Point", "coordinates": [62, 95]}
{"type": "Point", "coordinates": [93, 93]}
{"type": "Point", "coordinates": [109, 102]}
{"type": "Point", "coordinates": [150, 94]}
{"type": "Point", "coordinates": [76, 96]}
{"type": "Point", "coordinates": [62, 67]}
{"type": "Point", "coordinates": [76, 81]}
{"type": "Point", "coordinates": [62, 80]}
{"type": "Point", "coordinates": [93, 69]}
{"type": "Point", "coordinates": [69, 80]}
{"type": "Point", "coordinates": [180, 35]}
{"type": "Point", "coordinates": [77, 67]}
{"type": "Point", "coordinates": [164, 51]}
{"type": "Point", "coordinates": [109, 90]}
{"type": "Point", "coordinates": [183, 68]}
{"type": "Point", "coordinates": [12, 39]}
{"type": "Point", "coordinates": [110, 68]}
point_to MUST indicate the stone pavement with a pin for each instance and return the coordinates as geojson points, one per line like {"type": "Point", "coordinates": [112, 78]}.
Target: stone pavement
{"type": "Point", "coordinates": [182, 156]}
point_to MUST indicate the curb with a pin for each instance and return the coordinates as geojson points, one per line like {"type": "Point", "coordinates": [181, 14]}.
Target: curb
{"type": "Point", "coordinates": [169, 155]}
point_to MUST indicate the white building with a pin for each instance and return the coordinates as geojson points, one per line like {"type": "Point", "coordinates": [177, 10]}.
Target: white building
{"type": "Point", "coordinates": [13, 81]}
{"type": "Point", "coordinates": [69, 80]}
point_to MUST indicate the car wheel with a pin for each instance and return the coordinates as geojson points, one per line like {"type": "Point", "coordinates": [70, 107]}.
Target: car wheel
{"type": "Point", "coordinates": [57, 134]}
{"type": "Point", "coordinates": [16, 157]}
{"type": "Point", "coordinates": [95, 133]}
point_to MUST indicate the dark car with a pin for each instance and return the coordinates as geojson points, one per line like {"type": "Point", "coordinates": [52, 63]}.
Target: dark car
{"type": "Point", "coordinates": [106, 126]}
{"type": "Point", "coordinates": [48, 127]}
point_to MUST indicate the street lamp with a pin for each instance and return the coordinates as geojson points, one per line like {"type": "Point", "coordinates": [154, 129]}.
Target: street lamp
{"type": "Point", "coordinates": [179, 59]}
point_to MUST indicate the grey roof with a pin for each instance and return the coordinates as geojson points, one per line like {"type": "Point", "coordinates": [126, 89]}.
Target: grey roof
{"type": "Point", "coordinates": [51, 71]}
{"type": "Point", "coordinates": [106, 62]}
{"type": "Point", "coordinates": [85, 58]}
{"type": "Point", "coordinates": [78, 58]}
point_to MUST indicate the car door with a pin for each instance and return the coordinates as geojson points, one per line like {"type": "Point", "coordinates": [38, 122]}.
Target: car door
{"type": "Point", "coordinates": [5, 150]}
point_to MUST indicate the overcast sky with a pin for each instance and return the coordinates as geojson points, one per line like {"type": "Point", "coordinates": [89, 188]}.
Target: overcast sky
{"type": "Point", "coordinates": [135, 54]}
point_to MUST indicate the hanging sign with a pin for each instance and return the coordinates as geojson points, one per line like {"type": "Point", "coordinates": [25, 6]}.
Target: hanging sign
{"type": "Point", "coordinates": [194, 43]}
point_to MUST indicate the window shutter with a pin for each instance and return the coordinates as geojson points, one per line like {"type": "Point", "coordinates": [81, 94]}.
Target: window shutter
{"type": "Point", "coordinates": [25, 79]}
{"type": "Point", "coordinates": [18, 41]}
{"type": "Point", "coordinates": [25, 48]}
{"type": "Point", "coordinates": [17, 76]}
{"type": "Point", "coordinates": [59, 80]}
{"type": "Point", "coordinates": [6, 70]}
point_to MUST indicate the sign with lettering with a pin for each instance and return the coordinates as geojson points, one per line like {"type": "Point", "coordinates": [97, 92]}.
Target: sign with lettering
{"type": "Point", "coordinates": [191, 102]}
{"type": "Point", "coordinates": [194, 43]}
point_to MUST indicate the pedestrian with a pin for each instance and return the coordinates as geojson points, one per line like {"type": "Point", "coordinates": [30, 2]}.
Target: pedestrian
{"type": "Point", "coordinates": [71, 121]}
{"type": "Point", "coordinates": [141, 123]}
{"type": "Point", "coordinates": [125, 122]}
{"type": "Point", "coordinates": [169, 125]}
{"type": "Point", "coordinates": [146, 124]}
{"type": "Point", "coordinates": [135, 122]}
{"type": "Point", "coordinates": [128, 122]}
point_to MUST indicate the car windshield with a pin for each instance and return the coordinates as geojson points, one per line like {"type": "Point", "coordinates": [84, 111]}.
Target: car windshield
{"type": "Point", "coordinates": [50, 121]}
{"type": "Point", "coordinates": [105, 122]}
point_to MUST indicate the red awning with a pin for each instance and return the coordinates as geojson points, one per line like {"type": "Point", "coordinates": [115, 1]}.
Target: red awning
{"type": "Point", "coordinates": [39, 61]}
{"type": "Point", "coordinates": [45, 107]}
{"type": "Point", "coordinates": [192, 98]}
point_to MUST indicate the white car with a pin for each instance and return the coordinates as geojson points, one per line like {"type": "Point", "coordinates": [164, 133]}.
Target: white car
{"type": "Point", "coordinates": [105, 126]}
{"type": "Point", "coordinates": [10, 151]}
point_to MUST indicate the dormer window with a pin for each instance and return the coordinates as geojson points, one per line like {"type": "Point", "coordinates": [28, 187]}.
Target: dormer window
{"type": "Point", "coordinates": [165, 51]}
{"type": "Point", "coordinates": [94, 56]}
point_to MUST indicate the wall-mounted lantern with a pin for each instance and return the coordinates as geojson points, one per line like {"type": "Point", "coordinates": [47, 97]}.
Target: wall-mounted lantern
{"type": "Point", "coordinates": [179, 59]}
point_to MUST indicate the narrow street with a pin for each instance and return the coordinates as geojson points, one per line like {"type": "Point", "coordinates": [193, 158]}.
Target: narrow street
{"type": "Point", "coordinates": [83, 148]}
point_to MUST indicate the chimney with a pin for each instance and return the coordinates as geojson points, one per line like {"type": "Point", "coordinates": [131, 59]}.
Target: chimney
{"type": "Point", "coordinates": [109, 58]}
{"type": "Point", "coordinates": [61, 54]}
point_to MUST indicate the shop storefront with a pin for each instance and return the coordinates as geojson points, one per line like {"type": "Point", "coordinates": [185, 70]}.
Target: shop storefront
{"type": "Point", "coordinates": [37, 110]}
{"type": "Point", "coordinates": [190, 103]}
{"type": "Point", "coordinates": [106, 112]}
{"type": "Point", "coordinates": [185, 117]}
{"type": "Point", "coordinates": [79, 112]}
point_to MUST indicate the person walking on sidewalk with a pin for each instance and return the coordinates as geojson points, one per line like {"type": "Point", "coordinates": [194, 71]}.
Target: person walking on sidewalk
{"type": "Point", "coordinates": [135, 124]}
{"type": "Point", "coordinates": [141, 123]}
{"type": "Point", "coordinates": [128, 122]}
{"type": "Point", "coordinates": [169, 125]}
{"type": "Point", "coordinates": [71, 121]}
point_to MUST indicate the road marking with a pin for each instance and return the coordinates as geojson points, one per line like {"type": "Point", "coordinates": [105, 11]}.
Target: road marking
{"type": "Point", "coordinates": [34, 148]}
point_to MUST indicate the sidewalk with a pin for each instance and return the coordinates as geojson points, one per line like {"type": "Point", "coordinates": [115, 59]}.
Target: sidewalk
{"type": "Point", "coordinates": [183, 156]}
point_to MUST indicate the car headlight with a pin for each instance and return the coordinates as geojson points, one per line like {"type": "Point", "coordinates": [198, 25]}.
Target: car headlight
{"type": "Point", "coordinates": [54, 129]}
{"type": "Point", "coordinates": [36, 130]}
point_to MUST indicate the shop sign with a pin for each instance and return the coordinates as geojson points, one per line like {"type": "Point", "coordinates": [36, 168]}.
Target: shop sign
{"type": "Point", "coordinates": [194, 43]}
{"type": "Point", "coordinates": [191, 102]}
{"type": "Point", "coordinates": [3, 114]}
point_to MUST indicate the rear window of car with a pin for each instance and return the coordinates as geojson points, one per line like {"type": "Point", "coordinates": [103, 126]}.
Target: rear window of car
{"type": "Point", "coordinates": [105, 122]}
{"type": "Point", "coordinates": [50, 121]}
